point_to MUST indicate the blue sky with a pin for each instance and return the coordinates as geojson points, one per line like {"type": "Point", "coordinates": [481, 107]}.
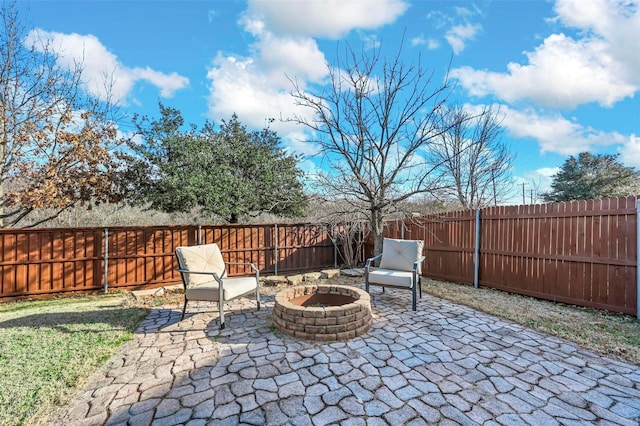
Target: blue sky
{"type": "Point", "coordinates": [564, 72]}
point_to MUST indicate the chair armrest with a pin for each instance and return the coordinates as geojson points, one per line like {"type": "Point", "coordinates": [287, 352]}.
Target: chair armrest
{"type": "Point", "coordinates": [371, 259]}
{"type": "Point", "coordinates": [186, 271]}
{"type": "Point", "coordinates": [213, 274]}
{"type": "Point", "coordinates": [244, 263]}
{"type": "Point", "coordinates": [418, 262]}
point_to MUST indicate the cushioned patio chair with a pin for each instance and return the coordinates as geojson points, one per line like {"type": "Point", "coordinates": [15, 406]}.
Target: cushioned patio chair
{"type": "Point", "coordinates": [204, 276]}
{"type": "Point", "coordinates": [400, 266]}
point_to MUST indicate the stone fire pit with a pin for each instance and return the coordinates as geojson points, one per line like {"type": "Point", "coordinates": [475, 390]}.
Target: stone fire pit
{"type": "Point", "coordinates": [322, 312]}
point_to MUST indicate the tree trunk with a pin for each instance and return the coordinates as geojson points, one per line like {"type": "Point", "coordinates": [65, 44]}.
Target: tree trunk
{"type": "Point", "coordinates": [234, 218]}
{"type": "Point", "coordinates": [377, 225]}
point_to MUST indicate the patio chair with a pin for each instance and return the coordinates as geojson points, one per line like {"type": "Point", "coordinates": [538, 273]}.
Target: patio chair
{"type": "Point", "coordinates": [204, 277]}
{"type": "Point", "coordinates": [400, 266]}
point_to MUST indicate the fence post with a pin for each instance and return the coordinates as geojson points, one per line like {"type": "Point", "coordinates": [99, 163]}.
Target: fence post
{"type": "Point", "coordinates": [275, 249]}
{"type": "Point", "coordinates": [476, 253]}
{"type": "Point", "coordinates": [199, 234]}
{"type": "Point", "coordinates": [335, 248]}
{"type": "Point", "coordinates": [637, 259]}
{"type": "Point", "coordinates": [106, 260]}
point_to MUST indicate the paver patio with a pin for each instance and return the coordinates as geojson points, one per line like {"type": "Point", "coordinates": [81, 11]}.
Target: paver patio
{"type": "Point", "coordinates": [444, 365]}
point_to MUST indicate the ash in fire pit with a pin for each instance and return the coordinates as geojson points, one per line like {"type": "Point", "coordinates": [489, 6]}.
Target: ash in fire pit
{"type": "Point", "coordinates": [323, 312]}
{"type": "Point", "coordinates": [323, 300]}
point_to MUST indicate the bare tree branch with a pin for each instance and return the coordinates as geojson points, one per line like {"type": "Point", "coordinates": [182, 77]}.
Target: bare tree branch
{"type": "Point", "coordinates": [375, 122]}
{"type": "Point", "coordinates": [475, 162]}
{"type": "Point", "coordinates": [56, 142]}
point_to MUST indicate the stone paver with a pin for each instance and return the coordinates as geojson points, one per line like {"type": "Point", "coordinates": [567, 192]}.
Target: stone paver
{"type": "Point", "coordinates": [444, 364]}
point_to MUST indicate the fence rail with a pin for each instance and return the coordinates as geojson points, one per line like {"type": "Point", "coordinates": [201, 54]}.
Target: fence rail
{"type": "Point", "coordinates": [583, 253]}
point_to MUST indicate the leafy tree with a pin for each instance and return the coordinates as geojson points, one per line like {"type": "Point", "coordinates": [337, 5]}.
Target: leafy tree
{"type": "Point", "coordinates": [375, 122]}
{"type": "Point", "coordinates": [476, 162]}
{"type": "Point", "coordinates": [589, 177]}
{"type": "Point", "coordinates": [55, 141]}
{"type": "Point", "coordinates": [230, 172]}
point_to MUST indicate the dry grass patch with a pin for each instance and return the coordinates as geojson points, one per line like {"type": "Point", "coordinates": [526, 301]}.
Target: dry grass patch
{"type": "Point", "coordinates": [604, 332]}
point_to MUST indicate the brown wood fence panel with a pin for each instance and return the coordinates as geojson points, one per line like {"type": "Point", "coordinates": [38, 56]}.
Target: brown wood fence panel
{"type": "Point", "coordinates": [449, 243]}
{"type": "Point", "coordinates": [242, 244]}
{"type": "Point", "coordinates": [41, 262]}
{"type": "Point", "coordinates": [144, 257]}
{"type": "Point", "coordinates": [304, 247]}
{"type": "Point", "coordinates": [581, 252]}
{"type": "Point", "coordinates": [273, 247]}
{"type": "Point", "coordinates": [47, 261]}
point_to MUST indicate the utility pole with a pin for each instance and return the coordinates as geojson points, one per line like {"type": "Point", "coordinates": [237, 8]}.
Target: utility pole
{"type": "Point", "coordinates": [524, 201]}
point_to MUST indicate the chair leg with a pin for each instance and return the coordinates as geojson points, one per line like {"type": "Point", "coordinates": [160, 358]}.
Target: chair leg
{"type": "Point", "coordinates": [414, 297]}
{"type": "Point", "coordinates": [420, 286]}
{"type": "Point", "coordinates": [184, 308]}
{"type": "Point", "coordinates": [221, 309]}
{"type": "Point", "coordinates": [258, 298]}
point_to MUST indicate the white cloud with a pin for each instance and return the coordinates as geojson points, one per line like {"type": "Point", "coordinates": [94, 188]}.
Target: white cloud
{"type": "Point", "coordinates": [555, 133]}
{"type": "Point", "coordinates": [299, 142]}
{"type": "Point", "coordinates": [561, 72]}
{"type": "Point", "coordinates": [280, 57]}
{"type": "Point", "coordinates": [324, 18]}
{"type": "Point", "coordinates": [548, 171]}
{"type": "Point", "coordinates": [167, 83]}
{"type": "Point", "coordinates": [257, 87]}
{"type": "Point", "coordinates": [615, 22]}
{"type": "Point", "coordinates": [421, 40]}
{"type": "Point", "coordinates": [630, 152]}
{"type": "Point", "coordinates": [100, 67]}
{"type": "Point", "coordinates": [458, 35]}
{"type": "Point", "coordinates": [601, 66]}
{"type": "Point", "coordinates": [458, 27]}
{"type": "Point", "coordinates": [241, 86]}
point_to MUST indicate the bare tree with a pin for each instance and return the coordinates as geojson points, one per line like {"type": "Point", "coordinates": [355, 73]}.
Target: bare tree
{"type": "Point", "coordinates": [55, 141]}
{"type": "Point", "coordinates": [374, 122]}
{"type": "Point", "coordinates": [476, 162]}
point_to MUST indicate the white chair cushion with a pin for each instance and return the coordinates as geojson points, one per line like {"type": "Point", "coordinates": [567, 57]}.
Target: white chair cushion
{"type": "Point", "coordinates": [233, 287]}
{"type": "Point", "coordinates": [391, 277]}
{"type": "Point", "coordinates": [202, 258]}
{"type": "Point", "coordinates": [400, 254]}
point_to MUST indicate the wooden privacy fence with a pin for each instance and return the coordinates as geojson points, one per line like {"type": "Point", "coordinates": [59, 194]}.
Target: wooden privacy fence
{"type": "Point", "coordinates": [41, 262]}
{"type": "Point", "coordinates": [582, 253]}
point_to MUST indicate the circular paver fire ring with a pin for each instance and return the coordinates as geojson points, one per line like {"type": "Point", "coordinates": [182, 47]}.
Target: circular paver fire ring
{"type": "Point", "coordinates": [322, 312]}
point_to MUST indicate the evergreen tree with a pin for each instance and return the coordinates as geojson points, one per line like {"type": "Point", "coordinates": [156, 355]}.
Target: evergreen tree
{"type": "Point", "coordinates": [589, 177]}
{"type": "Point", "coordinates": [229, 172]}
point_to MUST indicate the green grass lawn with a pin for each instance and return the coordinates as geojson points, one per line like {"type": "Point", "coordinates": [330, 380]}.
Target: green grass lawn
{"type": "Point", "coordinates": [48, 347]}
